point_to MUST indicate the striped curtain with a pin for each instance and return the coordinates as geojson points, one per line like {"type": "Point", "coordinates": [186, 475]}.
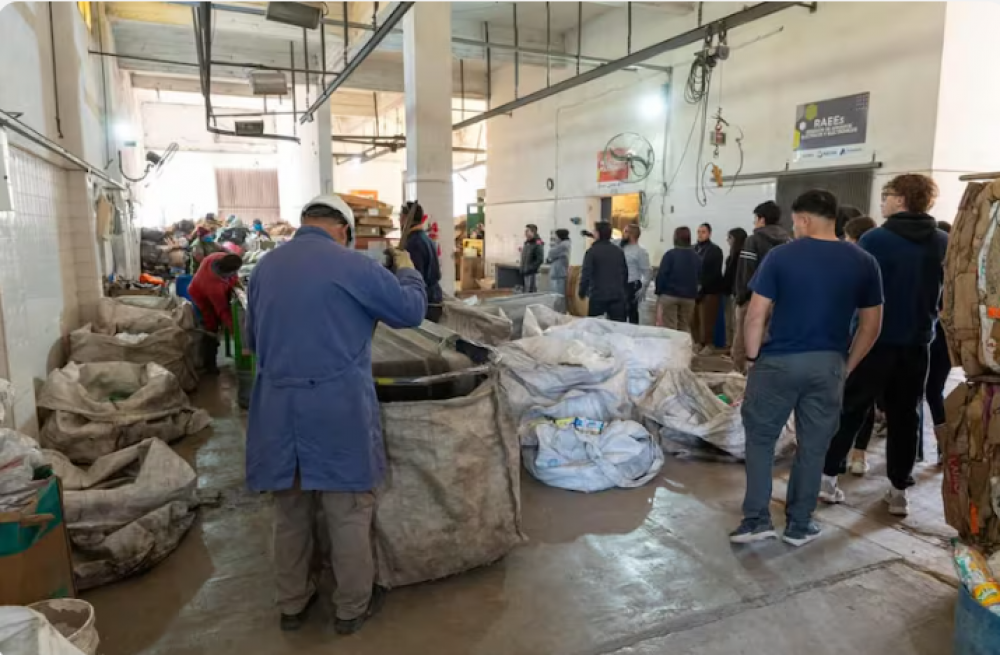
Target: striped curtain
{"type": "Point", "coordinates": [249, 193]}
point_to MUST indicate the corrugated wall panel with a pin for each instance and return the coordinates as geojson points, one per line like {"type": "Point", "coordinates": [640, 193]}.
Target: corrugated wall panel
{"type": "Point", "coordinates": [249, 193]}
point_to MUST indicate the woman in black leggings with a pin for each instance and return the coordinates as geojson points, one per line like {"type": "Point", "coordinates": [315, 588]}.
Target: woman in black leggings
{"type": "Point", "coordinates": [937, 376]}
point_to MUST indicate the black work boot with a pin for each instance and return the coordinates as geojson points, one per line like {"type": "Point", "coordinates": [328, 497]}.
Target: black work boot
{"type": "Point", "coordinates": [210, 353]}
{"type": "Point", "coordinates": [292, 622]}
{"type": "Point", "coordinates": [350, 626]}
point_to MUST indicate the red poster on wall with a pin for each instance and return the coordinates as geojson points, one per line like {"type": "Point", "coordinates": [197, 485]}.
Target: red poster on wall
{"type": "Point", "coordinates": [611, 170]}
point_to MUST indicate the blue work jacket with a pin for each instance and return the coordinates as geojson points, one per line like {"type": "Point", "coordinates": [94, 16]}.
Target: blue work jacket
{"type": "Point", "coordinates": [312, 309]}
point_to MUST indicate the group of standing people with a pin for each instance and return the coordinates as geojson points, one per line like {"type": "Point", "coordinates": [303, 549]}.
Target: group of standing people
{"type": "Point", "coordinates": [832, 328]}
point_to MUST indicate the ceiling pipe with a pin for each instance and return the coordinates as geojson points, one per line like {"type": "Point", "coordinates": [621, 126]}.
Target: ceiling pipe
{"type": "Point", "coordinates": [366, 49]}
{"type": "Point", "coordinates": [460, 40]}
{"type": "Point", "coordinates": [203, 48]}
{"type": "Point", "coordinates": [696, 35]}
{"type": "Point", "coordinates": [231, 64]}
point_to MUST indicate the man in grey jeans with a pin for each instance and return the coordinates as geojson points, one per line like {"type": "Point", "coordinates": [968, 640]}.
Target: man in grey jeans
{"type": "Point", "coordinates": [813, 286]}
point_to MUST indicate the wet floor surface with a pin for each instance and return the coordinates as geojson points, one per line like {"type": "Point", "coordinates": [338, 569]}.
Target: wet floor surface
{"type": "Point", "coordinates": [631, 572]}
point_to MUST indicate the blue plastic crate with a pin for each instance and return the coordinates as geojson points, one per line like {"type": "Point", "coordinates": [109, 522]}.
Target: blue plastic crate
{"type": "Point", "coordinates": [977, 630]}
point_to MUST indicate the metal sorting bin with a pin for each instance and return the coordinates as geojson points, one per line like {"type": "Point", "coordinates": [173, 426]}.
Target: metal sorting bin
{"type": "Point", "coordinates": [429, 362]}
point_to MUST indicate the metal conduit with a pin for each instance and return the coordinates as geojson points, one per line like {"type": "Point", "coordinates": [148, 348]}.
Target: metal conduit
{"type": "Point", "coordinates": [9, 122]}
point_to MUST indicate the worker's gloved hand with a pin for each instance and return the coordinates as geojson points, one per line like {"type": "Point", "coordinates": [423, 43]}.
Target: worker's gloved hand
{"type": "Point", "coordinates": [400, 260]}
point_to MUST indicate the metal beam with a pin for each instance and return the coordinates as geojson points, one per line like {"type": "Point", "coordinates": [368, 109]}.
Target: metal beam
{"type": "Point", "coordinates": [11, 123]}
{"type": "Point", "coordinates": [369, 46]}
{"type": "Point", "coordinates": [868, 166]}
{"type": "Point", "coordinates": [458, 40]}
{"type": "Point", "coordinates": [174, 62]}
{"type": "Point", "coordinates": [696, 35]}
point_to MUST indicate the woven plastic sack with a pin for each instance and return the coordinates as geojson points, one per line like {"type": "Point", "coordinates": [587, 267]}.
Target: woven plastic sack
{"type": "Point", "coordinates": [579, 456]}
{"type": "Point", "coordinates": [24, 631]}
{"type": "Point", "coordinates": [645, 351]}
{"type": "Point", "coordinates": [451, 501]}
{"type": "Point", "coordinates": [971, 311]}
{"type": "Point", "coordinates": [479, 323]}
{"type": "Point", "coordinates": [169, 347]}
{"type": "Point", "coordinates": [690, 415]}
{"type": "Point", "coordinates": [553, 377]}
{"type": "Point", "coordinates": [515, 306]}
{"type": "Point", "coordinates": [102, 407]}
{"type": "Point", "coordinates": [127, 511]}
{"type": "Point", "coordinates": [143, 314]}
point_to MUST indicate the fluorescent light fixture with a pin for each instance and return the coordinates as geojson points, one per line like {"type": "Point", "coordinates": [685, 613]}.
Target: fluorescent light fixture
{"type": "Point", "coordinates": [299, 14]}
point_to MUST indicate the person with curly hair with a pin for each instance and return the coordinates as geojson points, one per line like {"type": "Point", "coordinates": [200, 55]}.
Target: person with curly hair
{"type": "Point", "coordinates": [910, 251]}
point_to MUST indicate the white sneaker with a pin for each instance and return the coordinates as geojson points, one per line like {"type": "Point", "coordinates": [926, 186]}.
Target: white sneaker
{"type": "Point", "coordinates": [829, 492]}
{"type": "Point", "coordinates": [899, 504]}
{"type": "Point", "coordinates": [707, 351]}
{"type": "Point", "coordinates": [858, 464]}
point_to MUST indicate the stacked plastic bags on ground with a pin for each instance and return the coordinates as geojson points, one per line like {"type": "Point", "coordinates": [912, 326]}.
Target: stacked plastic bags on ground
{"type": "Point", "coordinates": [571, 389]}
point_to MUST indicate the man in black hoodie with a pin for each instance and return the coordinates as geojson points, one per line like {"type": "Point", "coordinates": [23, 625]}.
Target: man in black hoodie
{"type": "Point", "coordinates": [910, 251]}
{"type": "Point", "coordinates": [766, 235]}
{"type": "Point", "coordinates": [712, 286]}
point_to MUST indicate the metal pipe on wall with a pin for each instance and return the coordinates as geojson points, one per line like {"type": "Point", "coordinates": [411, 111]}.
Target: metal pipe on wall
{"type": "Point", "coordinates": [517, 53]}
{"type": "Point", "coordinates": [489, 67]}
{"type": "Point", "coordinates": [695, 35]}
{"type": "Point", "coordinates": [7, 121]}
{"type": "Point", "coordinates": [55, 78]}
{"type": "Point", "coordinates": [305, 59]}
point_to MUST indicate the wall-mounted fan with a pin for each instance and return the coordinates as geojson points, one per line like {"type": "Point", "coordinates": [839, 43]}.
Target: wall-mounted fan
{"type": "Point", "coordinates": [154, 163]}
{"type": "Point", "coordinates": [631, 152]}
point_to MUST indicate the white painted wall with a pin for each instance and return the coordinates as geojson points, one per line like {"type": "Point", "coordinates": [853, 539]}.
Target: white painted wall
{"type": "Point", "coordinates": [967, 135]}
{"type": "Point", "coordinates": [777, 63]}
{"type": "Point", "coordinates": [51, 272]}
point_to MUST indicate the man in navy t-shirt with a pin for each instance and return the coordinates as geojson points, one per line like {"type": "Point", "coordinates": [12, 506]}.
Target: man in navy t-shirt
{"type": "Point", "coordinates": [812, 286]}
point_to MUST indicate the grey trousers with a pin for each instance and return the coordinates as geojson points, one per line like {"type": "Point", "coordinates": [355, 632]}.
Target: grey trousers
{"type": "Point", "coordinates": [349, 523]}
{"type": "Point", "coordinates": [812, 385]}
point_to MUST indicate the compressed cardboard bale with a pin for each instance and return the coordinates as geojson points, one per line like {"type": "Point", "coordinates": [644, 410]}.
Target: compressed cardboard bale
{"type": "Point", "coordinates": [971, 485]}
{"type": "Point", "coordinates": [971, 301]}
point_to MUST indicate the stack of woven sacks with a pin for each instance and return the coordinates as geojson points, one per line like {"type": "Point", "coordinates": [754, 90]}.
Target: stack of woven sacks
{"type": "Point", "coordinates": [971, 320]}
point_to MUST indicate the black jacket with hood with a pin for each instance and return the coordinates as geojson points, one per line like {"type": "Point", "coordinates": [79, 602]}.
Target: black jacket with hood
{"type": "Point", "coordinates": [754, 251]}
{"type": "Point", "coordinates": [910, 251]}
{"type": "Point", "coordinates": [532, 256]}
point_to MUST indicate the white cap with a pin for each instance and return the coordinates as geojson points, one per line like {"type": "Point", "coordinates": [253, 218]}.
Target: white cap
{"type": "Point", "coordinates": [337, 203]}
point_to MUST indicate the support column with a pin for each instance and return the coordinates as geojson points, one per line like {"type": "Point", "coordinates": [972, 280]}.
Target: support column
{"type": "Point", "coordinates": [427, 80]}
{"type": "Point", "coordinates": [304, 171]}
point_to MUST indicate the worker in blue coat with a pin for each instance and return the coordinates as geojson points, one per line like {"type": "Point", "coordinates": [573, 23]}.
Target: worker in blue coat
{"type": "Point", "coordinates": [314, 436]}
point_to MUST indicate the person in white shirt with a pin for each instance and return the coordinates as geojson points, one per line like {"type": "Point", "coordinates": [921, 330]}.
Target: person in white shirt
{"type": "Point", "coordinates": [639, 272]}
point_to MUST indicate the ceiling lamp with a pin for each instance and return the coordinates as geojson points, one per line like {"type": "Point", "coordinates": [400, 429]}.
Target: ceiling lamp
{"type": "Point", "coordinates": [299, 14]}
{"type": "Point", "coordinates": [268, 83]}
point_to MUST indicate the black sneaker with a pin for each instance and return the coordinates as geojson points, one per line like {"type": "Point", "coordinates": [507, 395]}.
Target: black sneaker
{"type": "Point", "coordinates": [800, 535]}
{"type": "Point", "coordinates": [292, 622]}
{"type": "Point", "coordinates": [752, 530]}
{"type": "Point", "coordinates": [350, 626]}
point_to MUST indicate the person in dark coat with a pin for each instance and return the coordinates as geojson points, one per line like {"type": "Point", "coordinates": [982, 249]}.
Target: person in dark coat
{"type": "Point", "coordinates": [937, 373]}
{"type": "Point", "coordinates": [766, 235]}
{"type": "Point", "coordinates": [677, 283]}
{"type": "Point", "coordinates": [604, 276]}
{"type": "Point", "coordinates": [910, 251]}
{"type": "Point", "coordinates": [532, 256]}
{"type": "Point", "coordinates": [423, 252]}
{"type": "Point", "coordinates": [712, 288]}
{"type": "Point", "coordinates": [736, 239]}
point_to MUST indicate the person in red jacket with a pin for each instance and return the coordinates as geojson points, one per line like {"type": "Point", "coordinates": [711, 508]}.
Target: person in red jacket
{"type": "Point", "coordinates": [210, 290]}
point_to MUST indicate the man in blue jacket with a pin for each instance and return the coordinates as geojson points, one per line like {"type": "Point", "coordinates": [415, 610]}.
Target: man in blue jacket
{"type": "Point", "coordinates": [910, 251]}
{"type": "Point", "coordinates": [314, 436]}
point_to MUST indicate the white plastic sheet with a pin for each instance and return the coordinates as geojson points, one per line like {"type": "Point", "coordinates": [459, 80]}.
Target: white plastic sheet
{"type": "Point", "coordinates": [645, 352]}
{"type": "Point", "coordinates": [688, 411]}
{"type": "Point", "coordinates": [581, 456]}
{"type": "Point", "coordinates": [26, 632]}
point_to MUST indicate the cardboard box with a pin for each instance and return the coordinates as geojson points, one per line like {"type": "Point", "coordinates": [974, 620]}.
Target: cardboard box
{"type": "Point", "coordinates": [35, 559]}
{"type": "Point", "coordinates": [377, 221]}
{"type": "Point", "coordinates": [368, 231]}
{"type": "Point", "coordinates": [472, 272]}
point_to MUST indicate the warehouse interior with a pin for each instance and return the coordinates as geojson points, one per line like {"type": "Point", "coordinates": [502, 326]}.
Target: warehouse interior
{"type": "Point", "coordinates": [131, 130]}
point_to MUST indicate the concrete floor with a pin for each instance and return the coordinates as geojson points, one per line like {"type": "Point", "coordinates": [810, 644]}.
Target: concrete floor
{"type": "Point", "coordinates": [637, 572]}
